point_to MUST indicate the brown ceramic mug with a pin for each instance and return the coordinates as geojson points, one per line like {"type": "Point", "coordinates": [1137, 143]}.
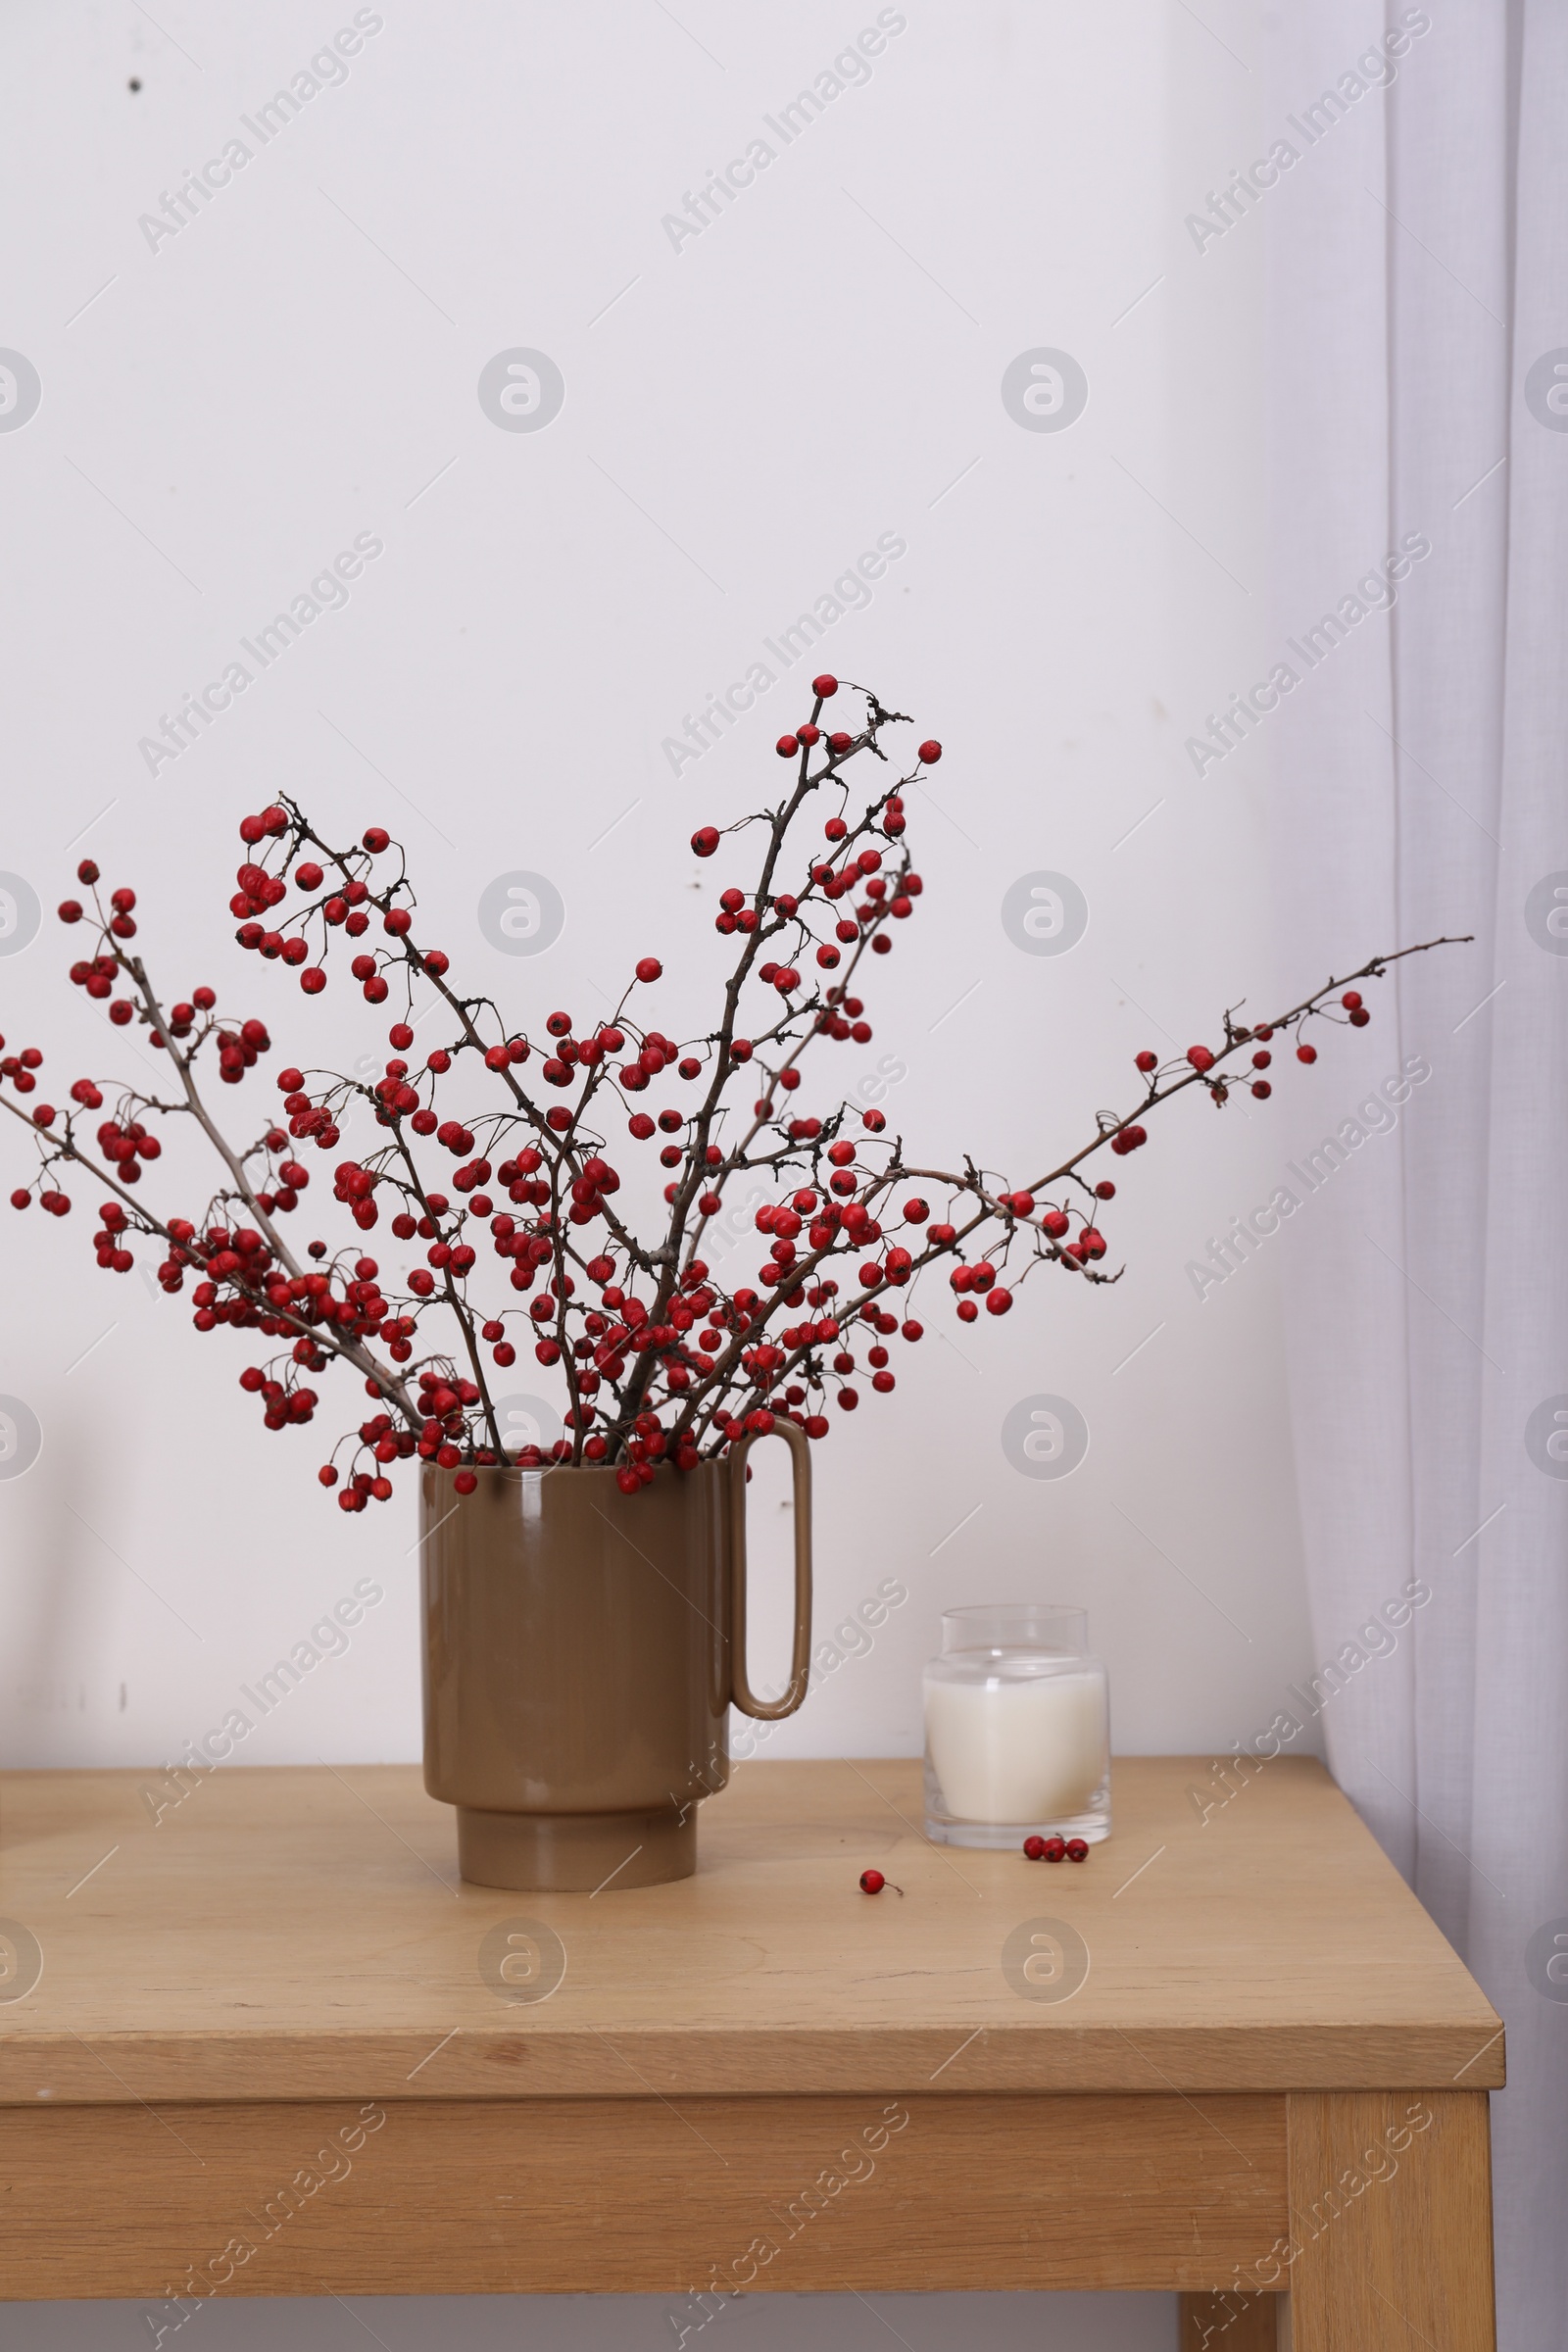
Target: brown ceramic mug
{"type": "Point", "coordinates": [582, 1649]}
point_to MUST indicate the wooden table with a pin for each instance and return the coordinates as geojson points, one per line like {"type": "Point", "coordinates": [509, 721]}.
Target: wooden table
{"type": "Point", "coordinates": [276, 2049]}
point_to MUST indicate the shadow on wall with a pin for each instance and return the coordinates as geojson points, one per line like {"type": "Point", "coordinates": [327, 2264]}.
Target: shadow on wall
{"type": "Point", "coordinates": [58, 1589]}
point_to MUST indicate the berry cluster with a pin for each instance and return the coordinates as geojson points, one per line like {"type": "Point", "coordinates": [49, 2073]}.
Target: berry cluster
{"type": "Point", "coordinates": [660, 1361]}
{"type": "Point", "coordinates": [1055, 1850]}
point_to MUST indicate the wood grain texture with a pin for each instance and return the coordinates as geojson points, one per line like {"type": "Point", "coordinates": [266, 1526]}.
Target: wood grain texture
{"type": "Point", "coordinates": [637, 2195]}
{"type": "Point", "coordinates": [1233, 2324]}
{"type": "Point", "coordinates": [1390, 2222]}
{"type": "Point", "coordinates": [302, 1934]}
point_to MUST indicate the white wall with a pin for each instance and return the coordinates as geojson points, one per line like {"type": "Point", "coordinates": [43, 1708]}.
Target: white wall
{"type": "Point", "coordinates": [742, 418]}
{"type": "Point", "coordinates": [237, 404]}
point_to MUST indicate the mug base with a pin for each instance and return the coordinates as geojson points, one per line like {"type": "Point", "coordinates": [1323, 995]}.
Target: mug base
{"type": "Point", "coordinates": [575, 1853]}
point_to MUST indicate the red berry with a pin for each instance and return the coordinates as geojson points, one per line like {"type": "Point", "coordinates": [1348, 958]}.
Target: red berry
{"type": "Point", "coordinates": [86, 871]}
{"type": "Point", "coordinates": [465, 1482]}
{"type": "Point", "coordinates": [1148, 1061]}
{"type": "Point", "coordinates": [786, 747]}
{"type": "Point", "coordinates": [309, 876]}
{"type": "Point", "coordinates": [1307, 1053]}
{"type": "Point", "coordinates": [997, 1301]}
{"type": "Point", "coordinates": [704, 840]}
{"type": "Point", "coordinates": [1054, 1848]}
{"type": "Point", "coordinates": [826, 686]}
{"type": "Point", "coordinates": [649, 967]}
{"type": "Point", "coordinates": [327, 1475]}
{"type": "Point", "coordinates": [1359, 1018]}
{"type": "Point", "coordinates": [839, 742]}
{"type": "Point", "coordinates": [809, 733]}
{"type": "Point", "coordinates": [1261, 1089]}
{"type": "Point", "coordinates": [835, 828]}
{"type": "Point", "coordinates": [1054, 1223]}
{"type": "Point", "coordinates": [71, 910]}
{"type": "Point", "coordinates": [930, 751]}
{"type": "Point", "coordinates": [375, 838]}
{"type": "Point", "coordinates": [1200, 1058]}
{"type": "Point", "coordinates": [1351, 1000]}
{"type": "Point", "coordinates": [1105, 1190]}
{"type": "Point", "coordinates": [871, 1882]}
{"type": "Point", "coordinates": [1077, 1850]}
{"type": "Point", "coordinates": [312, 980]}
{"type": "Point", "coordinates": [1035, 1848]}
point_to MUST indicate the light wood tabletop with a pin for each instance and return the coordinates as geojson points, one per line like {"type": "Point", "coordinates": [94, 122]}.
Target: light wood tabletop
{"type": "Point", "coordinates": [1129, 2071]}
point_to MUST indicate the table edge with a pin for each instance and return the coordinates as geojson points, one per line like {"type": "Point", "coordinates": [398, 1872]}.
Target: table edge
{"type": "Point", "coordinates": [517, 2062]}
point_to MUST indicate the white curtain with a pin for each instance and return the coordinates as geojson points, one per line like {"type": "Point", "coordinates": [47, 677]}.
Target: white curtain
{"type": "Point", "coordinates": [1418, 284]}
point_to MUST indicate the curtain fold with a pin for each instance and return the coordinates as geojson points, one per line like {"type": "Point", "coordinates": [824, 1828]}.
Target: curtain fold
{"type": "Point", "coordinates": [1418, 315]}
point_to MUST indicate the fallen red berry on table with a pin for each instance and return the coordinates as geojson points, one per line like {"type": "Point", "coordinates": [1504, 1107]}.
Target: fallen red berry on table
{"type": "Point", "coordinates": [871, 1882]}
{"type": "Point", "coordinates": [1035, 1848]}
{"type": "Point", "coordinates": [1077, 1850]}
{"type": "Point", "coordinates": [1052, 1848]}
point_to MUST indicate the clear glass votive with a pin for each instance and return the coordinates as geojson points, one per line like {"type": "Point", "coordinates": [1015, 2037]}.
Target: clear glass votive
{"type": "Point", "coordinates": [1017, 1728]}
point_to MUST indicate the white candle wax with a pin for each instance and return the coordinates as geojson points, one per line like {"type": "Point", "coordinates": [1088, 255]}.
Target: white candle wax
{"type": "Point", "coordinates": [1017, 1748]}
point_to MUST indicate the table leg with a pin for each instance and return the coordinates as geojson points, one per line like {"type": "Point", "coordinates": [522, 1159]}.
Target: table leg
{"type": "Point", "coordinates": [1390, 2222]}
{"type": "Point", "coordinates": [1232, 2323]}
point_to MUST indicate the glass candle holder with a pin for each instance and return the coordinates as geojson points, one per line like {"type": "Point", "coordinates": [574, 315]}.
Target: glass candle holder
{"type": "Point", "coordinates": [1017, 1728]}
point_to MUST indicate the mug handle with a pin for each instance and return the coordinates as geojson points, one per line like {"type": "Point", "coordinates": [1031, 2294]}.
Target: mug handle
{"type": "Point", "coordinates": [741, 1691]}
